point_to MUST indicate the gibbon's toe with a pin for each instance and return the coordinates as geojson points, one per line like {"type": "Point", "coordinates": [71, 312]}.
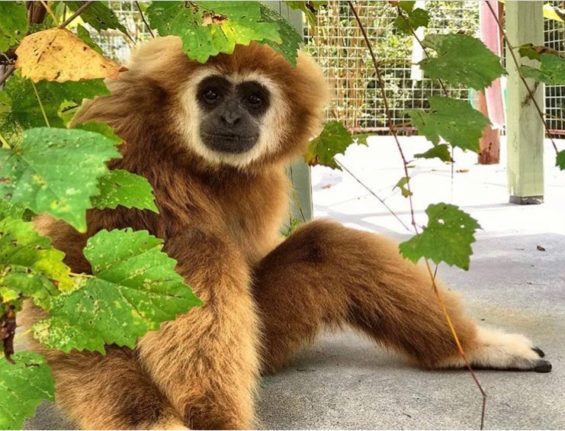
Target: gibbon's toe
{"type": "Point", "coordinates": [540, 352]}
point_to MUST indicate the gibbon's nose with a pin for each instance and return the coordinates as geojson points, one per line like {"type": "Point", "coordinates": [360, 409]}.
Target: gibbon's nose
{"type": "Point", "coordinates": [231, 115]}
{"type": "Point", "coordinates": [231, 118]}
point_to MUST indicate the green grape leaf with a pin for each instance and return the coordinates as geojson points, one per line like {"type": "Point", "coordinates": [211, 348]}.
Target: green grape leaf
{"type": "Point", "coordinates": [56, 171]}
{"type": "Point", "coordinates": [98, 15]}
{"type": "Point", "coordinates": [291, 40]}
{"type": "Point", "coordinates": [23, 386]}
{"type": "Point", "coordinates": [208, 28]}
{"type": "Point", "coordinates": [24, 111]}
{"type": "Point", "coordinates": [530, 51]}
{"type": "Point", "coordinates": [451, 119]}
{"type": "Point", "coordinates": [407, 5]}
{"type": "Point", "coordinates": [85, 36]}
{"type": "Point", "coordinates": [551, 70]}
{"type": "Point", "coordinates": [309, 8]}
{"type": "Point", "coordinates": [8, 209]}
{"type": "Point", "coordinates": [440, 151]}
{"type": "Point", "coordinates": [361, 138]}
{"type": "Point", "coordinates": [461, 60]}
{"type": "Point", "coordinates": [334, 139]}
{"type": "Point", "coordinates": [447, 237]}
{"type": "Point", "coordinates": [13, 23]}
{"type": "Point", "coordinates": [119, 187]}
{"type": "Point", "coordinates": [402, 185]}
{"type": "Point", "coordinates": [133, 289]}
{"type": "Point", "coordinates": [29, 265]}
{"type": "Point", "coordinates": [412, 21]}
{"type": "Point", "coordinates": [560, 160]}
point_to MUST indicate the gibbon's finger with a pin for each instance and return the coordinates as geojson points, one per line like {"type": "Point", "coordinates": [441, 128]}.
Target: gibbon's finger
{"type": "Point", "coordinates": [543, 366]}
{"type": "Point", "coordinates": [540, 352]}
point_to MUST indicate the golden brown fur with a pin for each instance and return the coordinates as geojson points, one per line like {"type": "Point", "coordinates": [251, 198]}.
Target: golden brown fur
{"type": "Point", "coordinates": [264, 299]}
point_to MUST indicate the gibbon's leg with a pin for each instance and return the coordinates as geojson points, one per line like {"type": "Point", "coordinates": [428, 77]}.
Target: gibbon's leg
{"type": "Point", "coordinates": [206, 361]}
{"type": "Point", "coordinates": [326, 274]}
{"type": "Point", "coordinates": [108, 391]}
{"type": "Point", "coordinates": [97, 391]}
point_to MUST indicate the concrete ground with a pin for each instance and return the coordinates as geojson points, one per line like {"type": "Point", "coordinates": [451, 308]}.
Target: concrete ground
{"type": "Point", "coordinates": [516, 282]}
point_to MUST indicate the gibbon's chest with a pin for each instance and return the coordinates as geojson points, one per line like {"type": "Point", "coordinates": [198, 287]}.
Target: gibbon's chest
{"type": "Point", "coordinates": [254, 220]}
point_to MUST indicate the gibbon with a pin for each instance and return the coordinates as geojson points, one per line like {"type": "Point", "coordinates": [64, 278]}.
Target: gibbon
{"type": "Point", "coordinates": [214, 140]}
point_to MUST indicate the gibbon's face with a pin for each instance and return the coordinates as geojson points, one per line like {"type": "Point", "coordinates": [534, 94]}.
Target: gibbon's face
{"type": "Point", "coordinates": [231, 113]}
{"type": "Point", "coordinates": [235, 118]}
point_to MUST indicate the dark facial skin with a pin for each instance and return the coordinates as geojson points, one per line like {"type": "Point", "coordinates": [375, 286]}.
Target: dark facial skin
{"type": "Point", "coordinates": [231, 113]}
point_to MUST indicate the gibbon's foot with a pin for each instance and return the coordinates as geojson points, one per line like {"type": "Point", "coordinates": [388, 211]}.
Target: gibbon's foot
{"type": "Point", "coordinates": [497, 350]}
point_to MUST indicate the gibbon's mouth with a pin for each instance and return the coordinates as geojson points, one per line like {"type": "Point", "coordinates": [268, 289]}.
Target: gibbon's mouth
{"type": "Point", "coordinates": [228, 142]}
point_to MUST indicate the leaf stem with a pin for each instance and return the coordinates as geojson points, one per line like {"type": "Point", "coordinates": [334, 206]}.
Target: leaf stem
{"type": "Point", "coordinates": [366, 187]}
{"type": "Point", "coordinates": [49, 11]}
{"type": "Point", "coordinates": [9, 70]}
{"type": "Point", "coordinates": [40, 104]}
{"type": "Point", "coordinates": [528, 89]}
{"type": "Point", "coordinates": [77, 13]}
{"type": "Point", "coordinates": [441, 84]}
{"type": "Point", "coordinates": [144, 20]}
{"type": "Point", "coordinates": [453, 331]}
{"type": "Point", "coordinates": [405, 163]}
{"type": "Point", "coordinates": [388, 113]}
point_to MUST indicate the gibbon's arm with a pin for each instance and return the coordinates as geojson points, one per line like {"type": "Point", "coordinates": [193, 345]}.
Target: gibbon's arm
{"type": "Point", "coordinates": [206, 361]}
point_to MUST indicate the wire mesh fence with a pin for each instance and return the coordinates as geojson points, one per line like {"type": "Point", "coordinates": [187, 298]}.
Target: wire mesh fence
{"type": "Point", "coordinates": [113, 42]}
{"type": "Point", "coordinates": [554, 36]}
{"type": "Point", "coordinates": [338, 45]}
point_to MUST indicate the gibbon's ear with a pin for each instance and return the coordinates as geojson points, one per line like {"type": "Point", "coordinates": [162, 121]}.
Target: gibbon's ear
{"type": "Point", "coordinates": [144, 88]}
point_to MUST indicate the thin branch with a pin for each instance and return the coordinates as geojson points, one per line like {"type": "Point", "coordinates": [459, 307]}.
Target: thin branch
{"type": "Point", "coordinates": [457, 341]}
{"type": "Point", "coordinates": [404, 160]}
{"type": "Point", "coordinates": [40, 104]}
{"type": "Point", "coordinates": [366, 187]}
{"type": "Point", "coordinates": [9, 70]}
{"type": "Point", "coordinates": [49, 11]}
{"type": "Point", "coordinates": [388, 113]}
{"type": "Point", "coordinates": [528, 89]}
{"type": "Point", "coordinates": [424, 49]}
{"type": "Point", "coordinates": [144, 20]}
{"type": "Point", "coordinates": [77, 13]}
{"type": "Point", "coordinates": [441, 84]}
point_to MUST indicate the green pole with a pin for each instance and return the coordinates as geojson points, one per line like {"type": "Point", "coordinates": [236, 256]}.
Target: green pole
{"type": "Point", "coordinates": [299, 172]}
{"type": "Point", "coordinates": [525, 132]}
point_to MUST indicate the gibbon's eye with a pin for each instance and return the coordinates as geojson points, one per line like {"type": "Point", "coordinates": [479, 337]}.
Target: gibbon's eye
{"type": "Point", "coordinates": [211, 92]}
{"type": "Point", "coordinates": [255, 100]}
{"type": "Point", "coordinates": [211, 96]}
{"type": "Point", "coordinates": [255, 97]}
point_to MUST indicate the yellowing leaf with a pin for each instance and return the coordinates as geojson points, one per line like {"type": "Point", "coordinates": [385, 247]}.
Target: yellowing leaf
{"type": "Point", "coordinates": [58, 55]}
